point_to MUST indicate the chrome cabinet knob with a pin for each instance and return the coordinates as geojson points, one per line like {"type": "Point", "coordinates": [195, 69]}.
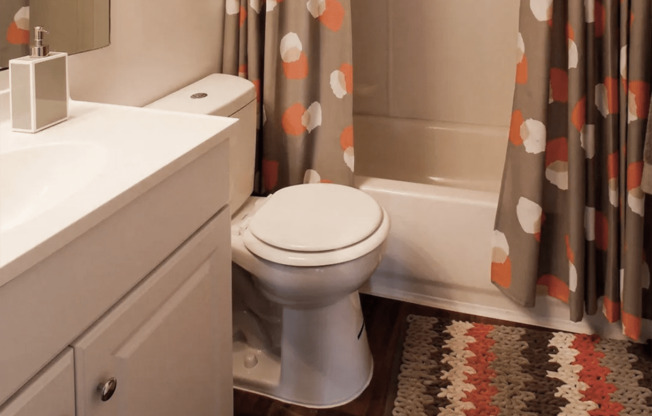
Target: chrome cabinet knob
{"type": "Point", "coordinates": [107, 388]}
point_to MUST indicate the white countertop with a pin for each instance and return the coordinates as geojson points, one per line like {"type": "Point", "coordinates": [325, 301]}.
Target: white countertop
{"type": "Point", "coordinates": [139, 148]}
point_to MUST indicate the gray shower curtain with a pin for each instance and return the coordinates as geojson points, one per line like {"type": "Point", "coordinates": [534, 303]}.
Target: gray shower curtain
{"type": "Point", "coordinates": [572, 215]}
{"type": "Point", "coordinates": [14, 23]}
{"type": "Point", "coordinates": [298, 55]}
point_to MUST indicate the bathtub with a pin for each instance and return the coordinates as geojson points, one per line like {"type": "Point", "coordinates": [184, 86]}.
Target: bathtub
{"type": "Point", "coordinates": [439, 182]}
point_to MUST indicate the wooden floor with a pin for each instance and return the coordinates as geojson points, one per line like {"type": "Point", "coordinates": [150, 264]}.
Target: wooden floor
{"type": "Point", "coordinates": [384, 320]}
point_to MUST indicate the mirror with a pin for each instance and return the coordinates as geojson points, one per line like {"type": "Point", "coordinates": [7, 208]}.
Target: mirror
{"type": "Point", "coordinates": [73, 25]}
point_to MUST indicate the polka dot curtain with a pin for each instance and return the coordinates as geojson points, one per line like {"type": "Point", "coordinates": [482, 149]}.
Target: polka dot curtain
{"type": "Point", "coordinates": [298, 55]}
{"type": "Point", "coordinates": [572, 216]}
{"type": "Point", "coordinates": [14, 23]}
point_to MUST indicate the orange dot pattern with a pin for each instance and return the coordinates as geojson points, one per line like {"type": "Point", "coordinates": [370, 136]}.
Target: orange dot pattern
{"type": "Point", "coordinates": [298, 55]}
{"type": "Point", "coordinates": [16, 35]}
{"type": "Point", "coordinates": [575, 159]}
{"type": "Point", "coordinates": [14, 40]}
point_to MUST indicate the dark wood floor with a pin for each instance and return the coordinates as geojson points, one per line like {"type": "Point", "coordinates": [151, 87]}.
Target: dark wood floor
{"type": "Point", "coordinates": [385, 320]}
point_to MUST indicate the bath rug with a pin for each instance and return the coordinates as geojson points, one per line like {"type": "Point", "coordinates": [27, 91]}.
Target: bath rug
{"type": "Point", "coordinates": [463, 368]}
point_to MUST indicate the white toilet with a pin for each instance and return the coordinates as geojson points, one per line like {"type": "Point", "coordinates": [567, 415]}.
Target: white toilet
{"type": "Point", "coordinates": [299, 257]}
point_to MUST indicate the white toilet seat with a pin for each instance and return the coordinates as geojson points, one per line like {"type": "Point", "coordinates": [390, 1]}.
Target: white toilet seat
{"type": "Point", "coordinates": [316, 217]}
{"type": "Point", "coordinates": [319, 258]}
{"type": "Point", "coordinates": [316, 225]}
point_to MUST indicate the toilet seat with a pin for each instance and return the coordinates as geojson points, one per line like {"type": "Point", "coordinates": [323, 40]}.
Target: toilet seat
{"type": "Point", "coordinates": [316, 225]}
{"type": "Point", "coordinates": [316, 217]}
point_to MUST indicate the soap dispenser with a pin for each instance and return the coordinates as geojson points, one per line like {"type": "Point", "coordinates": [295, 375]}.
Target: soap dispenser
{"type": "Point", "coordinates": [39, 87]}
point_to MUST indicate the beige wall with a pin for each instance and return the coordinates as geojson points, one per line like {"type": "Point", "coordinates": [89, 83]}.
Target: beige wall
{"type": "Point", "coordinates": [441, 60]}
{"type": "Point", "coordinates": [156, 47]}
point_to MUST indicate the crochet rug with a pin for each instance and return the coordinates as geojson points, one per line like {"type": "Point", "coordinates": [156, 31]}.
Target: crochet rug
{"type": "Point", "coordinates": [465, 368]}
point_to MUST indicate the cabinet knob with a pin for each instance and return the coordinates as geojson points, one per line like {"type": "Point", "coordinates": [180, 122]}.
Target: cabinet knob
{"type": "Point", "coordinates": [107, 388]}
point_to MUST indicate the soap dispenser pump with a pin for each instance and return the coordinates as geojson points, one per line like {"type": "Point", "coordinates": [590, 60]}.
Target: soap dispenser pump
{"type": "Point", "coordinates": [39, 49]}
{"type": "Point", "coordinates": [39, 87]}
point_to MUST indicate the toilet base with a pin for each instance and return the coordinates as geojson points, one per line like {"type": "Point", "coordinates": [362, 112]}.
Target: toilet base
{"type": "Point", "coordinates": [324, 360]}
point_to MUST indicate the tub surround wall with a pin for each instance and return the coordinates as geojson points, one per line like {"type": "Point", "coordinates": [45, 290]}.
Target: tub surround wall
{"type": "Point", "coordinates": [440, 60]}
{"type": "Point", "coordinates": [439, 67]}
{"type": "Point", "coordinates": [432, 152]}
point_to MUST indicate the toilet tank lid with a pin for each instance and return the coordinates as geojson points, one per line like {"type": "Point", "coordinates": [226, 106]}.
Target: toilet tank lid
{"type": "Point", "coordinates": [217, 94]}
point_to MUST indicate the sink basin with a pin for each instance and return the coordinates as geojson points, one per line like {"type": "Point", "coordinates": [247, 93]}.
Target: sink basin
{"type": "Point", "coordinates": [62, 182]}
{"type": "Point", "coordinates": [35, 179]}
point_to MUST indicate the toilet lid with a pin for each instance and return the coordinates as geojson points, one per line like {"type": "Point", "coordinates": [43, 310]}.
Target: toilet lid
{"type": "Point", "coordinates": [316, 217]}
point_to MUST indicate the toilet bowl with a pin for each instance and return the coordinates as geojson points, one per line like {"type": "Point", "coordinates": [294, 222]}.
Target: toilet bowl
{"type": "Point", "coordinates": [308, 248]}
{"type": "Point", "coordinates": [313, 243]}
{"type": "Point", "coordinates": [299, 257]}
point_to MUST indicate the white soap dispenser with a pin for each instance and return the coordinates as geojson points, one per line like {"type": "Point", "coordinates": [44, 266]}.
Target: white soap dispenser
{"type": "Point", "coordinates": [39, 87]}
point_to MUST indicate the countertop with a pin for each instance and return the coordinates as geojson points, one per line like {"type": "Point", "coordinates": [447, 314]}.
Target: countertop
{"type": "Point", "coordinates": [137, 149]}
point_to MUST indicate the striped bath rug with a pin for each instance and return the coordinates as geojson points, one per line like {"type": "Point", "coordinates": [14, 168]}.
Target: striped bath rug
{"type": "Point", "coordinates": [464, 368]}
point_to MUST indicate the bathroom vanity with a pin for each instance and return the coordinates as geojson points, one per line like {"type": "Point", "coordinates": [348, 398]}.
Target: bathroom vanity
{"type": "Point", "coordinates": [115, 262]}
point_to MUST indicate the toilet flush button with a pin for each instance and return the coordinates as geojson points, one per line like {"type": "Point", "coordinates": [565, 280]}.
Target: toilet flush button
{"type": "Point", "coordinates": [250, 361]}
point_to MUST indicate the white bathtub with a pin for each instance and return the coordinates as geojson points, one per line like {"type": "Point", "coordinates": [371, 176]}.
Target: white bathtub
{"type": "Point", "coordinates": [442, 212]}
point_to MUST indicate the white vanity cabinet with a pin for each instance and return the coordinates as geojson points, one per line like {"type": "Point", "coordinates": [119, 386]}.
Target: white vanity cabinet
{"type": "Point", "coordinates": [161, 346]}
{"type": "Point", "coordinates": [50, 393]}
{"type": "Point", "coordinates": [164, 349]}
{"type": "Point", "coordinates": [125, 277]}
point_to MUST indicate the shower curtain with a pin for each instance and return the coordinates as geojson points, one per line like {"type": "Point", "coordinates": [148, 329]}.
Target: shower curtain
{"type": "Point", "coordinates": [298, 55]}
{"type": "Point", "coordinates": [572, 216]}
{"type": "Point", "coordinates": [14, 23]}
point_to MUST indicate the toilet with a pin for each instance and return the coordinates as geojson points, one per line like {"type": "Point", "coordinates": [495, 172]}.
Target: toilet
{"type": "Point", "coordinates": [299, 257]}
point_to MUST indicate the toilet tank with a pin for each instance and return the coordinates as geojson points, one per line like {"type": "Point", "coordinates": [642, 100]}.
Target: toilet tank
{"type": "Point", "coordinates": [227, 96]}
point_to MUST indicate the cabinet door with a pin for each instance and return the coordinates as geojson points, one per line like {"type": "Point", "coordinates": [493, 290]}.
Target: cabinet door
{"type": "Point", "coordinates": [168, 343]}
{"type": "Point", "coordinates": [50, 393]}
